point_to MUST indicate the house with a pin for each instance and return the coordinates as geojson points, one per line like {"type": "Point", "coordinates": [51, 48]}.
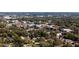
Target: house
{"type": "Point", "coordinates": [31, 25]}
{"type": "Point", "coordinates": [58, 35]}
{"type": "Point", "coordinates": [51, 27]}
{"type": "Point", "coordinates": [24, 22]}
{"type": "Point", "coordinates": [22, 37]}
{"type": "Point", "coordinates": [27, 45]}
{"type": "Point", "coordinates": [37, 43]}
{"type": "Point", "coordinates": [8, 25]}
{"type": "Point", "coordinates": [7, 21]}
{"type": "Point", "coordinates": [69, 41]}
{"type": "Point", "coordinates": [7, 17]}
{"type": "Point", "coordinates": [24, 25]}
{"type": "Point", "coordinates": [13, 21]}
{"type": "Point", "coordinates": [66, 30]}
{"type": "Point", "coordinates": [38, 25]}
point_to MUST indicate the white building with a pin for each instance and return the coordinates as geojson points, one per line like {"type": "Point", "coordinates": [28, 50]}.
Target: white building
{"type": "Point", "coordinates": [9, 25]}
{"type": "Point", "coordinates": [59, 35]}
{"type": "Point", "coordinates": [7, 17]}
{"type": "Point", "coordinates": [31, 25]}
{"type": "Point", "coordinates": [38, 25]}
{"type": "Point", "coordinates": [67, 30]}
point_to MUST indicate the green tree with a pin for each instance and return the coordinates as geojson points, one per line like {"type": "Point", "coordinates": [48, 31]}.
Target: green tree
{"type": "Point", "coordinates": [67, 45]}
{"type": "Point", "coordinates": [57, 42]}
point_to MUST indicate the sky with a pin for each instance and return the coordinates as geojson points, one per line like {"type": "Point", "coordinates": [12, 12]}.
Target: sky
{"type": "Point", "coordinates": [39, 6]}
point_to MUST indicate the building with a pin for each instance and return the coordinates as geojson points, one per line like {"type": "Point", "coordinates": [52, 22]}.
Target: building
{"type": "Point", "coordinates": [7, 17]}
{"type": "Point", "coordinates": [58, 35]}
{"type": "Point", "coordinates": [8, 25]}
{"type": "Point", "coordinates": [66, 30]}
